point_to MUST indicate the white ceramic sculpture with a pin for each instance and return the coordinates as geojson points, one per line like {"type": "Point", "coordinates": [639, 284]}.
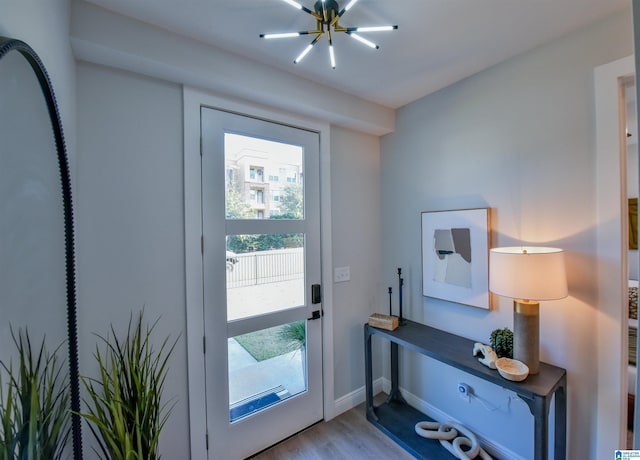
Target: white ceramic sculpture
{"type": "Point", "coordinates": [453, 437]}
{"type": "Point", "coordinates": [488, 356]}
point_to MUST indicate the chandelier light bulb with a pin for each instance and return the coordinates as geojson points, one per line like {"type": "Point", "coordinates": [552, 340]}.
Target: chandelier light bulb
{"type": "Point", "coordinates": [375, 28]}
{"type": "Point", "coordinates": [303, 54]}
{"type": "Point", "coordinates": [332, 56]}
{"type": "Point", "coordinates": [364, 41]}
{"type": "Point", "coordinates": [294, 4]}
{"type": "Point", "coordinates": [350, 5]}
{"type": "Point", "coordinates": [283, 35]}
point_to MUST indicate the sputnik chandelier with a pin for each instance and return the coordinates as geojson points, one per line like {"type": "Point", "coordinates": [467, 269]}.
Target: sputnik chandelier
{"type": "Point", "coordinates": [327, 13]}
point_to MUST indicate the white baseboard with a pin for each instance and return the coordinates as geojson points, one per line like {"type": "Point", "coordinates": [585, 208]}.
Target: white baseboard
{"type": "Point", "coordinates": [382, 384]}
{"type": "Point", "coordinates": [358, 396]}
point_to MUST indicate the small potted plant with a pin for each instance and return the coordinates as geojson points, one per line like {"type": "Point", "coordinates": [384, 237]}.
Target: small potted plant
{"type": "Point", "coordinates": [502, 342]}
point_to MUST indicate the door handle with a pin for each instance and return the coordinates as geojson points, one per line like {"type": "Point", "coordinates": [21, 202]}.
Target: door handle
{"type": "Point", "coordinates": [316, 314]}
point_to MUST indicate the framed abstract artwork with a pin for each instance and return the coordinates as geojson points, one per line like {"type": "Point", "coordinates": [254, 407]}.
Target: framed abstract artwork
{"type": "Point", "coordinates": [455, 256]}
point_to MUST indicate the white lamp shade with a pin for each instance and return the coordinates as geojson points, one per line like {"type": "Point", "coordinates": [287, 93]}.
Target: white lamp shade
{"type": "Point", "coordinates": [528, 273]}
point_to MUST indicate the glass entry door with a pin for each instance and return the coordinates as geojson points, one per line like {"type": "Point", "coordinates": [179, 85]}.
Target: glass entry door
{"type": "Point", "coordinates": [261, 265]}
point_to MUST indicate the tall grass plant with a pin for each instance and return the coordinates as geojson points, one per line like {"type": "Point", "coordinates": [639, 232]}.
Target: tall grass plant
{"type": "Point", "coordinates": [34, 404]}
{"type": "Point", "coordinates": [126, 413]}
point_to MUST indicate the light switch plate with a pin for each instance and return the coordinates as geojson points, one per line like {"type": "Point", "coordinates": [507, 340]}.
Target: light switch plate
{"type": "Point", "coordinates": [341, 274]}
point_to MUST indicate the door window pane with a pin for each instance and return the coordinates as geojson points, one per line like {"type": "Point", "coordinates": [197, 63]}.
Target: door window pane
{"type": "Point", "coordinates": [265, 273]}
{"type": "Point", "coordinates": [265, 368]}
{"type": "Point", "coordinates": [253, 169]}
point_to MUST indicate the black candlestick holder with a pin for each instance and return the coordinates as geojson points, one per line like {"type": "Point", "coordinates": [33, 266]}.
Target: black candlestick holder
{"type": "Point", "coordinates": [401, 320]}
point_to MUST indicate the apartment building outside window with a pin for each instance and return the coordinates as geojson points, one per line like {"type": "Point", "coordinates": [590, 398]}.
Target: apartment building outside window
{"type": "Point", "coordinates": [277, 196]}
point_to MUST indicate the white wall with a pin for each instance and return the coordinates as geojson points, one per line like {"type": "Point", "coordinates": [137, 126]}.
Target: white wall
{"type": "Point", "coordinates": [355, 212]}
{"type": "Point", "coordinates": [518, 138]}
{"type": "Point", "coordinates": [45, 27]}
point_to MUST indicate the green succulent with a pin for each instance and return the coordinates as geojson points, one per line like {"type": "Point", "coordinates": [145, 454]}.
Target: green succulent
{"type": "Point", "coordinates": [502, 342]}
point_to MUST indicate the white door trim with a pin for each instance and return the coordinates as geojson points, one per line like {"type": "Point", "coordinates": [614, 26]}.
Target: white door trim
{"type": "Point", "coordinates": [192, 100]}
{"type": "Point", "coordinates": [612, 258]}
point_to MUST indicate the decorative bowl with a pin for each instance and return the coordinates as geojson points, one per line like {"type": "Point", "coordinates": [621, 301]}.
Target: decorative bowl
{"type": "Point", "coordinates": [512, 369]}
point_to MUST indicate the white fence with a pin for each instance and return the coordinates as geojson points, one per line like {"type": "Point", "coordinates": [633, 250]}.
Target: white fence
{"type": "Point", "coordinates": [264, 267]}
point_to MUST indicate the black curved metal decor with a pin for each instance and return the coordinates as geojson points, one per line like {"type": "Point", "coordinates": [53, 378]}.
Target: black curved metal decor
{"type": "Point", "coordinates": [8, 45]}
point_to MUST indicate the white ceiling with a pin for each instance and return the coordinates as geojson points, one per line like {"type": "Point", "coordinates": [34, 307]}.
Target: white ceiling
{"type": "Point", "coordinates": [438, 42]}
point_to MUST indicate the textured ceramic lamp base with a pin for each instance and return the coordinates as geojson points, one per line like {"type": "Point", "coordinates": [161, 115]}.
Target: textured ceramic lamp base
{"type": "Point", "coordinates": [526, 333]}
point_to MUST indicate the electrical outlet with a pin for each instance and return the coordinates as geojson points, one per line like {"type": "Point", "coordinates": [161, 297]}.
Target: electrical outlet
{"type": "Point", "coordinates": [464, 391]}
{"type": "Point", "coordinates": [341, 274]}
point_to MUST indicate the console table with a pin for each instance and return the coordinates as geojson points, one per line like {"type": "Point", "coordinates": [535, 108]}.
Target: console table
{"type": "Point", "coordinates": [397, 419]}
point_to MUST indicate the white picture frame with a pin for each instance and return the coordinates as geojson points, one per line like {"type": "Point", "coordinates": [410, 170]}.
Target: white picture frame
{"type": "Point", "coordinates": [455, 256]}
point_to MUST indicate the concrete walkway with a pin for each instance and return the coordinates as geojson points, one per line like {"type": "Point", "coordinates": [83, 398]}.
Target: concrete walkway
{"type": "Point", "coordinates": [248, 377]}
{"type": "Point", "coordinates": [248, 301]}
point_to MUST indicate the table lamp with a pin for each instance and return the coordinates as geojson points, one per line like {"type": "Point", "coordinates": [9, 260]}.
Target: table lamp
{"type": "Point", "coordinates": [527, 275]}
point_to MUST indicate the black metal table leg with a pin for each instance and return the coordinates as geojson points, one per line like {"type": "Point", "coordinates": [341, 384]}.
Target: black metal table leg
{"type": "Point", "coordinates": [560, 423]}
{"type": "Point", "coordinates": [368, 371]}
{"type": "Point", "coordinates": [541, 429]}
{"type": "Point", "coordinates": [395, 394]}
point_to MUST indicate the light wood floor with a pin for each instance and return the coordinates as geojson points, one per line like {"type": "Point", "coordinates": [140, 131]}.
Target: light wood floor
{"type": "Point", "coordinates": [348, 436]}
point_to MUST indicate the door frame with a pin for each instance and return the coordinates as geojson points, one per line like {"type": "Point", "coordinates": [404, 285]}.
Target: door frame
{"type": "Point", "coordinates": [192, 100]}
{"type": "Point", "coordinates": [612, 257]}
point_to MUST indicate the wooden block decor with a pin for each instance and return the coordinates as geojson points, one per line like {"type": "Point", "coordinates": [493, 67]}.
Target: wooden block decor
{"type": "Point", "coordinates": [390, 323]}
